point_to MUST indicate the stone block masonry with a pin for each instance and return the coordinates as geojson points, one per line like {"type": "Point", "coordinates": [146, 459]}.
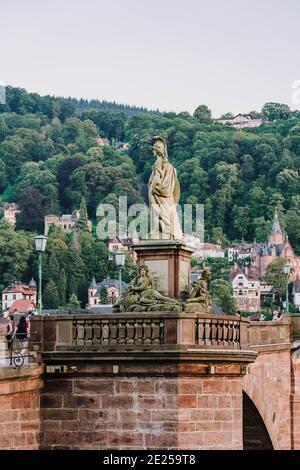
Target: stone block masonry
{"type": "Point", "coordinates": [155, 407]}
{"type": "Point", "coordinates": [20, 407]}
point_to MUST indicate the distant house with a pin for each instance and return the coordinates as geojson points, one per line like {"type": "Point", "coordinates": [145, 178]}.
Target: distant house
{"type": "Point", "coordinates": [122, 146]}
{"type": "Point", "coordinates": [278, 246]}
{"type": "Point", "coordinates": [66, 222]}
{"type": "Point", "coordinates": [241, 121]}
{"type": "Point", "coordinates": [239, 251]}
{"type": "Point", "coordinates": [248, 289]}
{"type": "Point", "coordinates": [112, 287]}
{"type": "Point", "coordinates": [122, 244]}
{"type": "Point", "coordinates": [102, 141]}
{"type": "Point", "coordinates": [19, 297]}
{"type": "Point", "coordinates": [10, 212]}
{"type": "Point", "coordinates": [209, 250]}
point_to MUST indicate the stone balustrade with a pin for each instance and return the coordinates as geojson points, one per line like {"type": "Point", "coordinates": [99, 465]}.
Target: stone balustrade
{"type": "Point", "coordinates": [142, 331]}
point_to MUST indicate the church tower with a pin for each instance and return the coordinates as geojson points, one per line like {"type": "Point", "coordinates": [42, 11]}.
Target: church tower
{"type": "Point", "coordinates": [276, 236]}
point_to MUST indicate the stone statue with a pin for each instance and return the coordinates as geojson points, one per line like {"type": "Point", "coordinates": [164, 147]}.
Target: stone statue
{"type": "Point", "coordinates": [164, 193]}
{"type": "Point", "coordinates": [199, 300]}
{"type": "Point", "coordinates": [140, 296]}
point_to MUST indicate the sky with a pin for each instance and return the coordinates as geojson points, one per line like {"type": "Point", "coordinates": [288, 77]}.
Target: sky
{"type": "Point", "coordinates": [171, 55]}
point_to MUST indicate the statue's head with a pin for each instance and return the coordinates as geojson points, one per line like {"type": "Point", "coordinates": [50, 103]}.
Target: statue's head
{"type": "Point", "coordinates": [206, 274]}
{"type": "Point", "coordinates": [143, 270]}
{"type": "Point", "coordinates": [160, 147]}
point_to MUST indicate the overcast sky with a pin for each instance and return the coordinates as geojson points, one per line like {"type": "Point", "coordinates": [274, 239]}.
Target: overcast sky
{"type": "Point", "coordinates": [168, 54]}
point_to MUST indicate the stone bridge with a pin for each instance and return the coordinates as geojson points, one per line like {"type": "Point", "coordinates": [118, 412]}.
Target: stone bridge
{"type": "Point", "coordinates": [155, 381]}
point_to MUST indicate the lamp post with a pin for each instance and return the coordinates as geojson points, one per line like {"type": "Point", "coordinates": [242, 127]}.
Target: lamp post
{"type": "Point", "coordinates": [40, 246]}
{"type": "Point", "coordinates": [120, 260]}
{"type": "Point", "coordinates": [286, 270]}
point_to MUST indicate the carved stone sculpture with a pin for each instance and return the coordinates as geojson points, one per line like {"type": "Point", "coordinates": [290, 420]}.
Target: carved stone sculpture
{"type": "Point", "coordinates": [199, 300]}
{"type": "Point", "coordinates": [140, 296]}
{"type": "Point", "coordinates": [164, 194]}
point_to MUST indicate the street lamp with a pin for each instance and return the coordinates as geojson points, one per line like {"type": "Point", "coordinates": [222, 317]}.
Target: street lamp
{"type": "Point", "coordinates": [120, 260]}
{"type": "Point", "coordinates": [286, 270]}
{"type": "Point", "coordinates": [40, 246]}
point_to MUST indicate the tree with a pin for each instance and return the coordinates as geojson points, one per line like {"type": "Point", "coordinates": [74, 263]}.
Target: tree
{"type": "Point", "coordinates": [73, 303]}
{"type": "Point", "coordinates": [276, 277]}
{"type": "Point", "coordinates": [221, 293]}
{"type": "Point", "coordinates": [16, 251]}
{"type": "Point", "coordinates": [31, 215]}
{"type": "Point", "coordinates": [104, 295]}
{"type": "Point", "coordinates": [220, 268]}
{"type": "Point", "coordinates": [51, 295]}
{"type": "Point", "coordinates": [203, 114]}
{"type": "Point", "coordinates": [275, 111]}
{"type": "Point", "coordinates": [82, 223]}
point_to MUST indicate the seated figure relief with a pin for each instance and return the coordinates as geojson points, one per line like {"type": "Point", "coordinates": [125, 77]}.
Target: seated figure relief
{"type": "Point", "coordinates": [199, 299]}
{"type": "Point", "coordinates": [141, 296]}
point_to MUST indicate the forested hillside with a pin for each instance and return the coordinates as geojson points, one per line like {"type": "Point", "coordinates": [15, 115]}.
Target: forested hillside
{"type": "Point", "coordinates": [50, 159]}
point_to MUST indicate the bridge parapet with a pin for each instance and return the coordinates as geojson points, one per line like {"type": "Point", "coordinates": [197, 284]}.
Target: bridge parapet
{"type": "Point", "coordinates": [270, 333]}
{"type": "Point", "coordinates": [142, 331]}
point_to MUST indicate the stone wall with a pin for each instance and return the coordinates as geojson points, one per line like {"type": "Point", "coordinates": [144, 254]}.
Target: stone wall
{"type": "Point", "coordinates": [20, 407]}
{"type": "Point", "coordinates": [94, 410]}
{"type": "Point", "coordinates": [268, 384]}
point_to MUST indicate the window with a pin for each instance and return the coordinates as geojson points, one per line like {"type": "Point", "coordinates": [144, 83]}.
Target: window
{"type": "Point", "coordinates": [95, 301]}
{"type": "Point", "coordinates": [14, 297]}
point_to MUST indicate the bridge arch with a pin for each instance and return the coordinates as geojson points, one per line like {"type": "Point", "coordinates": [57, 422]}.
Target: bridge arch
{"type": "Point", "coordinates": [255, 433]}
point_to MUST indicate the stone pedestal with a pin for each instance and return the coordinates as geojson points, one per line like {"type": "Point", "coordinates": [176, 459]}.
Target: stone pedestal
{"type": "Point", "coordinates": [168, 262]}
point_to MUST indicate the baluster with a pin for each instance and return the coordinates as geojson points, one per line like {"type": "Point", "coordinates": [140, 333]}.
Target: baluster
{"type": "Point", "coordinates": [207, 326]}
{"type": "Point", "coordinates": [155, 331]}
{"type": "Point", "coordinates": [80, 333]}
{"type": "Point", "coordinates": [138, 327]}
{"type": "Point", "coordinates": [121, 331]}
{"type": "Point", "coordinates": [88, 333]}
{"type": "Point", "coordinates": [105, 332]}
{"type": "Point", "coordinates": [130, 332]}
{"type": "Point", "coordinates": [96, 333]}
{"type": "Point", "coordinates": [220, 332]}
{"type": "Point", "coordinates": [201, 331]}
{"type": "Point", "coordinates": [147, 331]}
{"type": "Point", "coordinates": [214, 331]}
{"type": "Point", "coordinates": [234, 331]}
{"type": "Point", "coordinates": [113, 330]}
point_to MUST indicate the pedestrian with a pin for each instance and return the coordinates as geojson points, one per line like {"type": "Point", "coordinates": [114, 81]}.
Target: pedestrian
{"type": "Point", "coordinates": [22, 333]}
{"type": "Point", "coordinates": [11, 328]}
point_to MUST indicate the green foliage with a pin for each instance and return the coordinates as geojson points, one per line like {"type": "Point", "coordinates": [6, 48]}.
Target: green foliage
{"type": "Point", "coordinates": [221, 293]}
{"type": "Point", "coordinates": [73, 303]}
{"type": "Point", "coordinates": [104, 295]}
{"type": "Point", "coordinates": [51, 295]}
{"type": "Point", "coordinates": [275, 111]}
{"type": "Point", "coordinates": [220, 268]}
{"type": "Point", "coordinates": [276, 276]}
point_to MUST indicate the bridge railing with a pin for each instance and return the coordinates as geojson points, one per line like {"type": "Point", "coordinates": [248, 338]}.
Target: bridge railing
{"type": "Point", "coordinates": [141, 331]}
{"type": "Point", "coordinates": [262, 333]}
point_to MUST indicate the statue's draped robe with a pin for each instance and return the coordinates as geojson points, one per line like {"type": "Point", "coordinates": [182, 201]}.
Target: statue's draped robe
{"type": "Point", "coordinates": [164, 193]}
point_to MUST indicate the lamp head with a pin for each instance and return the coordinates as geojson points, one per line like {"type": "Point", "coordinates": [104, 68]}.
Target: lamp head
{"type": "Point", "coordinates": [40, 243]}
